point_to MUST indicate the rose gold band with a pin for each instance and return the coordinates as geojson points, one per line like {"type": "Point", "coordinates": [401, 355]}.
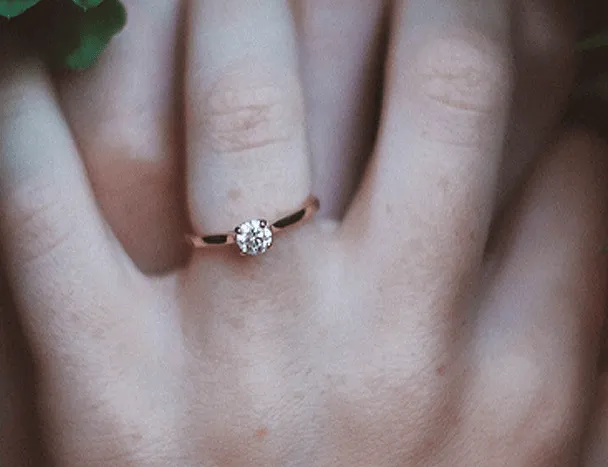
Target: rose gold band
{"type": "Point", "coordinates": [305, 212]}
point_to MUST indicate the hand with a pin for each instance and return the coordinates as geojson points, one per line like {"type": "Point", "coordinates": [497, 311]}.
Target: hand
{"type": "Point", "coordinates": [365, 347]}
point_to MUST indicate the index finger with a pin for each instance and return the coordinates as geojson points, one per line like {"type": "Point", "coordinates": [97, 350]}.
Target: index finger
{"type": "Point", "coordinates": [61, 259]}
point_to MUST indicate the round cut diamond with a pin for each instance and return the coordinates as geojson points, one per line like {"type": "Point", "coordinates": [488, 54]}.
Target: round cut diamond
{"type": "Point", "coordinates": [253, 237]}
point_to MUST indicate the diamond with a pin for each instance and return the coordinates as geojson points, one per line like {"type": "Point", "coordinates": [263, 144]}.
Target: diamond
{"type": "Point", "coordinates": [253, 237]}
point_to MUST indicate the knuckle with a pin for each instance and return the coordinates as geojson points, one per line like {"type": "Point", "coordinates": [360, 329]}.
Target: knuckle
{"type": "Point", "coordinates": [463, 84]}
{"type": "Point", "coordinates": [538, 400]}
{"type": "Point", "coordinates": [243, 115]}
{"type": "Point", "coordinates": [465, 72]}
{"type": "Point", "coordinates": [383, 387]}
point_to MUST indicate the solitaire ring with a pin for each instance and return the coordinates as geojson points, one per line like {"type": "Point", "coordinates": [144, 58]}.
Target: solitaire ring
{"type": "Point", "coordinates": [256, 236]}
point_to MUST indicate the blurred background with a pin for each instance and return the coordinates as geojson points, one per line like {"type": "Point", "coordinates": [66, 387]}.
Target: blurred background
{"type": "Point", "coordinates": [590, 100]}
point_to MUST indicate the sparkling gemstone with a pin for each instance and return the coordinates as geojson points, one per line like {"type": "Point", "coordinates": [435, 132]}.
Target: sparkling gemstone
{"type": "Point", "coordinates": [253, 237]}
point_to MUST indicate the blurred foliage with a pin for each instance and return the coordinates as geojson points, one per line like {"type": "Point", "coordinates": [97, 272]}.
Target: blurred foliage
{"type": "Point", "coordinates": [12, 8]}
{"type": "Point", "coordinates": [594, 80]}
{"type": "Point", "coordinates": [69, 33]}
{"type": "Point", "coordinates": [594, 42]}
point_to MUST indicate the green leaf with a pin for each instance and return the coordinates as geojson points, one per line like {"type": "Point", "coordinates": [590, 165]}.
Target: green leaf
{"type": "Point", "coordinates": [81, 40]}
{"type": "Point", "coordinates": [12, 8]}
{"type": "Point", "coordinates": [594, 42]}
{"type": "Point", "coordinates": [86, 4]}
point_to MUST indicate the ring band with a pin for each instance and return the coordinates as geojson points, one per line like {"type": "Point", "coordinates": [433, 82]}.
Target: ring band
{"type": "Point", "coordinates": [255, 236]}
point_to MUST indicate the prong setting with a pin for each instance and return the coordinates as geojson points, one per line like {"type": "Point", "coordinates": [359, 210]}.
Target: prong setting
{"type": "Point", "coordinates": [253, 237]}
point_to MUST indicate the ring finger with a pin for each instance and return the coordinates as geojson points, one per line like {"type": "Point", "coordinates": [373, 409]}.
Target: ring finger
{"type": "Point", "coordinates": [247, 153]}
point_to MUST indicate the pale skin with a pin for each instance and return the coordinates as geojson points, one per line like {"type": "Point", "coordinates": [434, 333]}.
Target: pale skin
{"type": "Point", "coordinates": [396, 334]}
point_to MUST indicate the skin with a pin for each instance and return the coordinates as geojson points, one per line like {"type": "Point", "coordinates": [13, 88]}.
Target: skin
{"type": "Point", "coordinates": [347, 344]}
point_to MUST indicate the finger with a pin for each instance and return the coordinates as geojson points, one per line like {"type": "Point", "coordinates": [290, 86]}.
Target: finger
{"type": "Point", "coordinates": [342, 54]}
{"type": "Point", "coordinates": [61, 259]}
{"type": "Point", "coordinates": [541, 318]}
{"type": "Point", "coordinates": [428, 195]}
{"type": "Point", "coordinates": [124, 114]}
{"type": "Point", "coordinates": [543, 44]}
{"type": "Point", "coordinates": [246, 145]}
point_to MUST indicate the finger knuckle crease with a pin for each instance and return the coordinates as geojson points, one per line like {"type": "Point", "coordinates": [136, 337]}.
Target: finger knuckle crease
{"type": "Point", "coordinates": [37, 221]}
{"type": "Point", "coordinates": [468, 74]}
{"type": "Point", "coordinates": [245, 116]}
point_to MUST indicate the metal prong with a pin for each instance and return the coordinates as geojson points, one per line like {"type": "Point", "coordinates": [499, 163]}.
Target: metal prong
{"type": "Point", "coordinates": [263, 223]}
